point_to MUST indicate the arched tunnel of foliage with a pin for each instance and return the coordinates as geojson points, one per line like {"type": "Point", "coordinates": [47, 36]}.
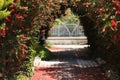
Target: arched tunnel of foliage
{"type": "Point", "coordinates": [21, 21]}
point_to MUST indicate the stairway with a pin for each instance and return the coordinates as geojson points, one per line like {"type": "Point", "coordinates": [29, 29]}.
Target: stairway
{"type": "Point", "coordinates": [73, 46]}
{"type": "Point", "coordinates": [82, 40]}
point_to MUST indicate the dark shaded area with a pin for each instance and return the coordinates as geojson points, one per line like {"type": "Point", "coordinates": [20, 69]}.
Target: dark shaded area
{"type": "Point", "coordinates": [90, 31]}
{"type": "Point", "coordinates": [82, 53]}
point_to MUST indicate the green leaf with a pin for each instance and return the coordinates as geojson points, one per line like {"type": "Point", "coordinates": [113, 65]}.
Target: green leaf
{"type": "Point", "coordinates": [1, 3]}
{"type": "Point", "coordinates": [7, 2]}
{"type": "Point", "coordinates": [108, 24]}
{"type": "Point", "coordinates": [4, 14]}
{"type": "Point", "coordinates": [2, 26]}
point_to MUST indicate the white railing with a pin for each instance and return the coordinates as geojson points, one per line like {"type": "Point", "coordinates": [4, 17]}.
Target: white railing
{"type": "Point", "coordinates": [64, 30]}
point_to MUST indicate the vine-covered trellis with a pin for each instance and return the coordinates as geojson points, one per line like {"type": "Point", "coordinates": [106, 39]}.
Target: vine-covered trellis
{"type": "Point", "coordinates": [23, 19]}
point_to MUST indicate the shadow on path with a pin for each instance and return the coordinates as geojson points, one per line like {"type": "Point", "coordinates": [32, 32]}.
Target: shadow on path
{"type": "Point", "coordinates": [67, 67]}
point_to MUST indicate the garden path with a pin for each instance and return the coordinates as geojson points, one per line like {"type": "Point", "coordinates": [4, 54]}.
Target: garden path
{"type": "Point", "coordinates": [70, 63]}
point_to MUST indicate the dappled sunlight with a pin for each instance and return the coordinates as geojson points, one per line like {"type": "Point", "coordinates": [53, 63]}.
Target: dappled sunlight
{"type": "Point", "coordinates": [51, 63]}
{"type": "Point", "coordinates": [69, 73]}
{"type": "Point", "coordinates": [56, 48]}
{"type": "Point", "coordinates": [71, 46]}
{"type": "Point", "coordinates": [67, 66]}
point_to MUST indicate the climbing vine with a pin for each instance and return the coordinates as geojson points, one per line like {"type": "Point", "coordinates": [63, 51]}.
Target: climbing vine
{"type": "Point", "coordinates": [21, 20]}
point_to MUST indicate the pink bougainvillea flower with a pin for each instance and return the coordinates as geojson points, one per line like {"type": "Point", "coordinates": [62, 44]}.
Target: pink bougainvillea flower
{"type": "Point", "coordinates": [23, 45]}
{"type": "Point", "coordinates": [25, 15]}
{"type": "Point", "coordinates": [117, 3]}
{"type": "Point", "coordinates": [114, 8]}
{"type": "Point", "coordinates": [22, 36]}
{"type": "Point", "coordinates": [102, 9]}
{"type": "Point", "coordinates": [24, 8]}
{"type": "Point", "coordinates": [118, 12]}
{"type": "Point", "coordinates": [86, 3]}
{"type": "Point", "coordinates": [18, 0]}
{"type": "Point", "coordinates": [18, 16]}
{"type": "Point", "coordinates": [113, 23]}
{"type": "Point", "coordinates": [49, 0]}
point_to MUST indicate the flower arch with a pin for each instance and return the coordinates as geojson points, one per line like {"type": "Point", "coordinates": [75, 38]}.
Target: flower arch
{"type": "Point", "coordinates": [21, 20]}
{"type": "Point", "coordinates": [99, 18]}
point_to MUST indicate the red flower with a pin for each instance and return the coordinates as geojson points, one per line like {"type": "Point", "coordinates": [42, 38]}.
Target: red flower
{"type": "Point", "coordinates": [18, 0]}
{"type": "Point", "coordinates": [49, 0]}
{"type": "Point", "coordinates": [42, 31]}
{"type": "Point", "coordinates": [86, 3]}
{"type": "Point", "coordinates": [13, 10]}
{"type": "Point", "coordinates": [118, 12]}
{"type": "Point", "coordinates": [113, 23]}
{"type": "Point", "coordinates": [18, 16]}
{"type": "Point", "coordinates": [116, 37]}
{"type": "Point", "coordinates": [7, 19]}
{"type": "Point", "coordinates": [22, 36]}
{"type": "Point", "coordinates": [3, 32]}
{"type": "Point", "coordinates": [102, 9]}
{"type": "Point", "coordinates": [117, 3]}
{"type": "Point", "coordinates": [6, 28]}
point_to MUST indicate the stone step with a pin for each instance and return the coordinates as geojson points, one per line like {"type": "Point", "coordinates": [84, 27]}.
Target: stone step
{"type": "Point", "coordinates": [58, 63]}
{"type": "Point", "coordinates": [67, 40]}
{"type": "Point", "coordinates": [57, 48]}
